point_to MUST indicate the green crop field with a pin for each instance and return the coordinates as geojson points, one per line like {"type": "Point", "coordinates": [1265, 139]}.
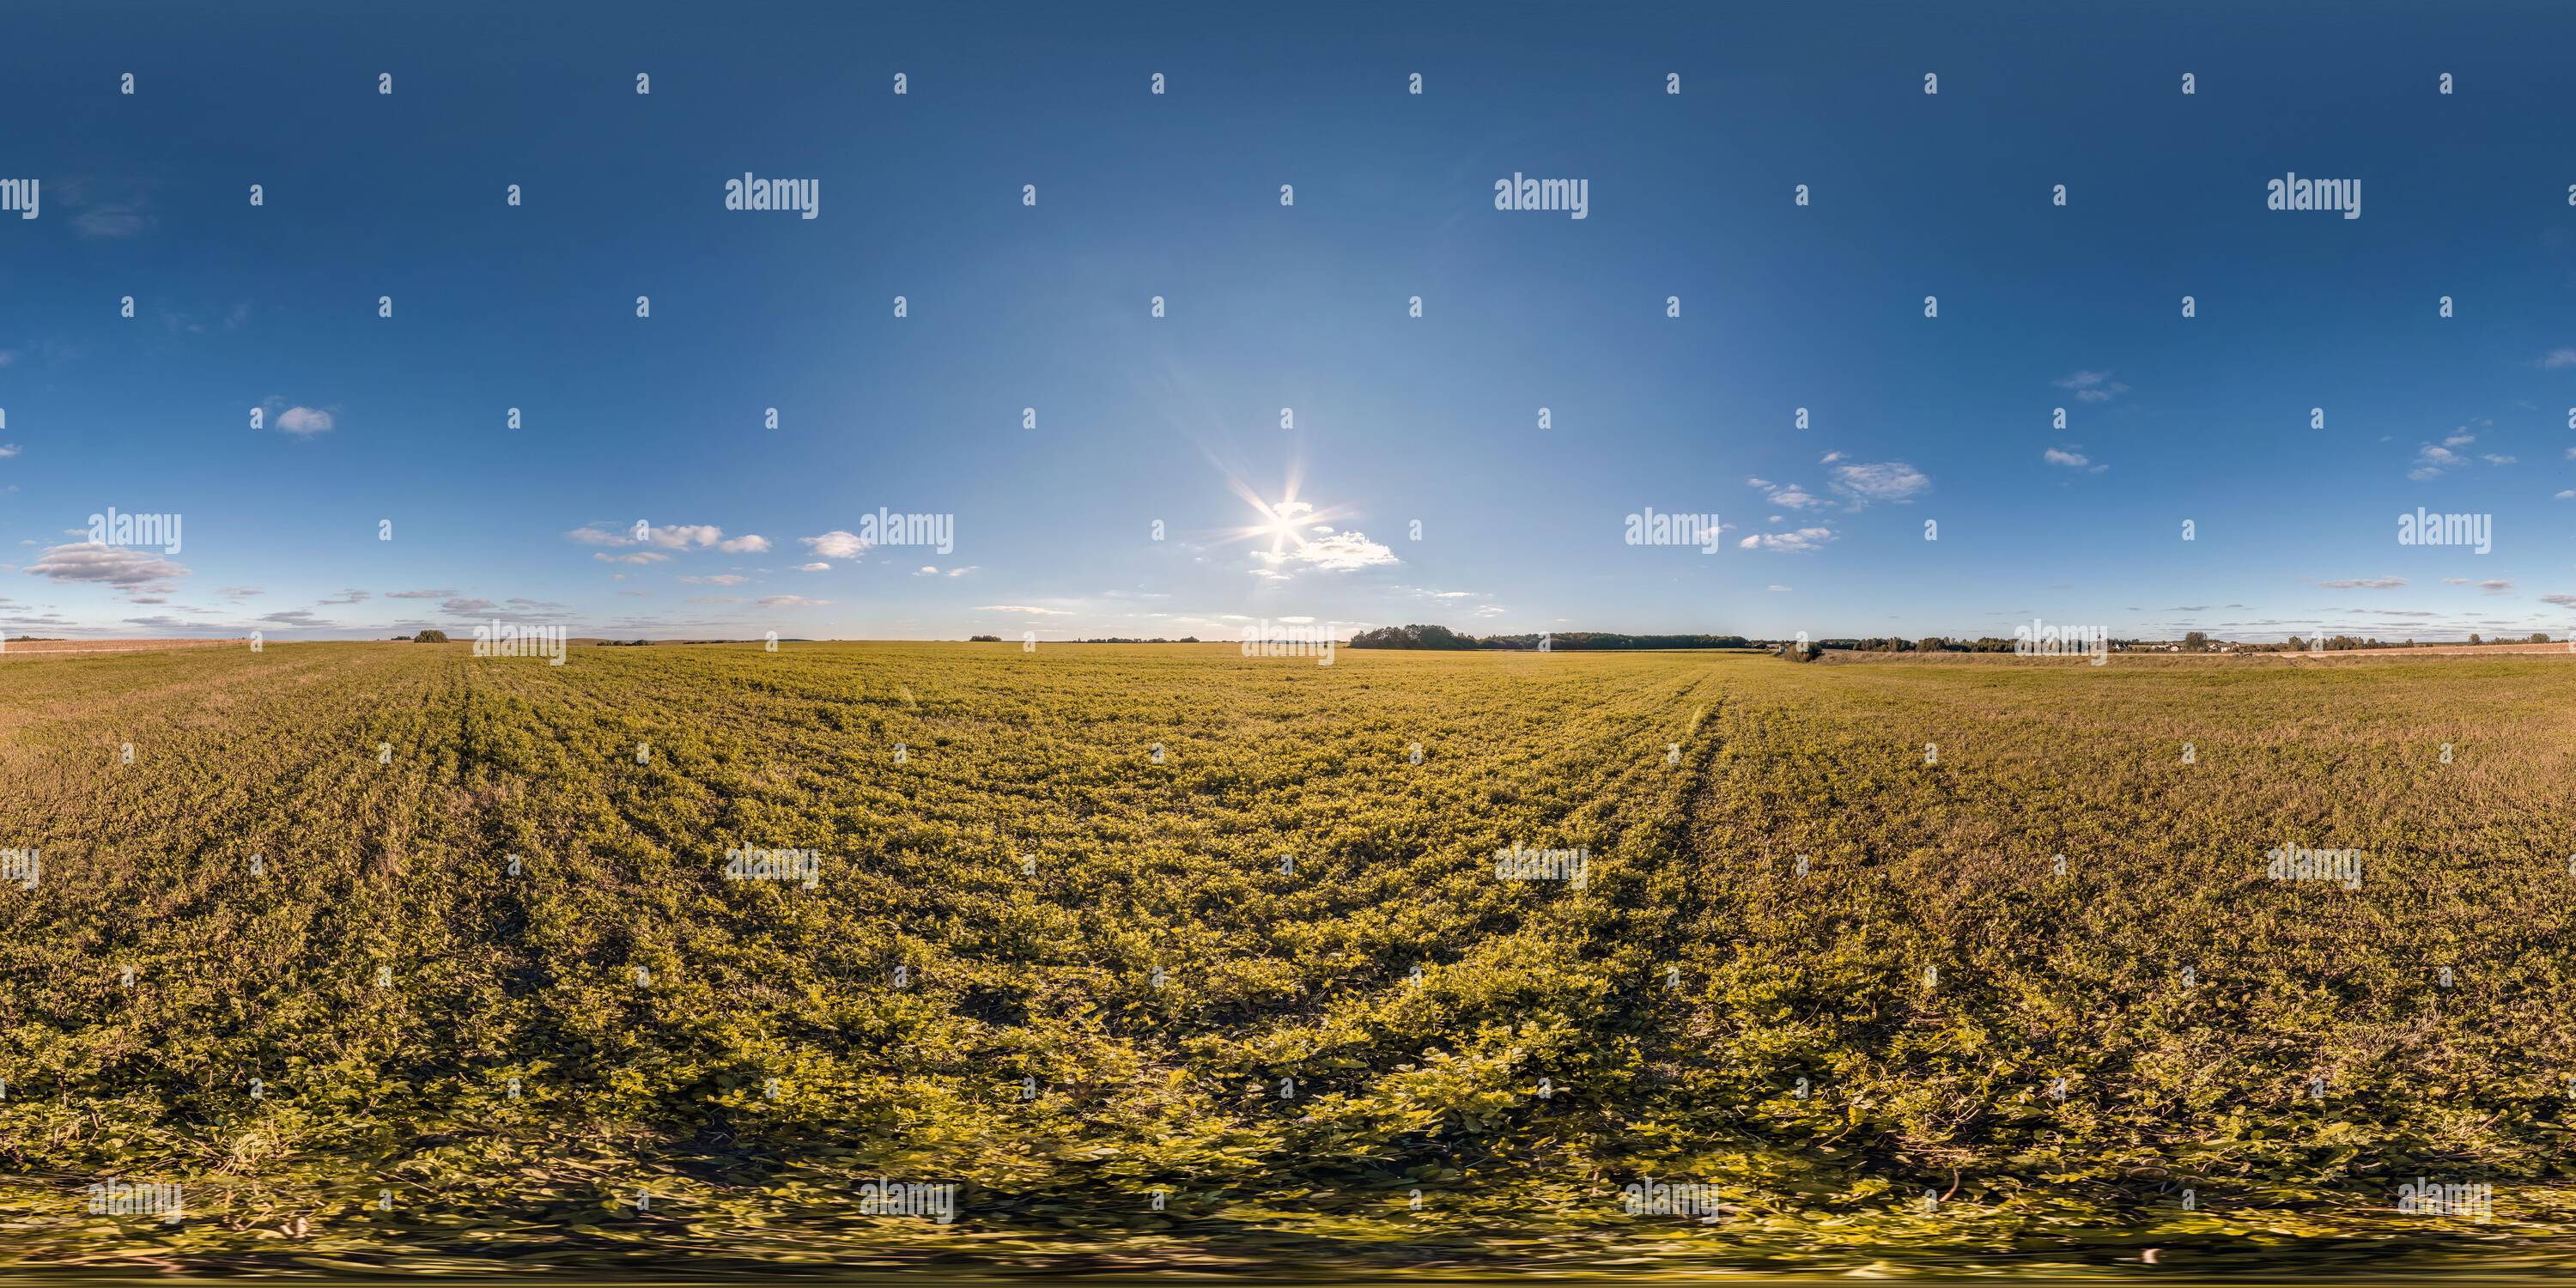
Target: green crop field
{"type": "Point", "coordinates": [1118, 956]}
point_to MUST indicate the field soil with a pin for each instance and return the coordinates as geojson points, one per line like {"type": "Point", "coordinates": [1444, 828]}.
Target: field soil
{"type": "Point", "coordinates": [1128, 958]}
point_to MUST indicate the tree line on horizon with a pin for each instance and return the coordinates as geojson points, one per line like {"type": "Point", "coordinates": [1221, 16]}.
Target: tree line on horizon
{"type": "Point", "coordinates": [1441, 637]}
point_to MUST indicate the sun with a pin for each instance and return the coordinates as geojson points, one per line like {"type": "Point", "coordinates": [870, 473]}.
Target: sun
{"type": "Point", "coordinates": [1284, 523]}
{"type": "Point", "coordinates": [1287, 524]}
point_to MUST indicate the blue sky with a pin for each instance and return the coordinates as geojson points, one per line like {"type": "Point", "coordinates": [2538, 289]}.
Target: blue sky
{"type": "Point", "coordinates": [1397, 419]}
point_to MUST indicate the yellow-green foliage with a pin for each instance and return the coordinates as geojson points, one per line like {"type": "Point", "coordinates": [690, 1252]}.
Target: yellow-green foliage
{"type": "Point", "coordinates": [907, 1005]}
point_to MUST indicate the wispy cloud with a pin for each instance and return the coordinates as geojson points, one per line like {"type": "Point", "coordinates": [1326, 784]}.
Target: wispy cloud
{"type": "Point", "coordinates": [113, 221]}
{"type": "Point", "coordinates": [2432, 461]}
{"type": "Point", "coordinates": [1789, 496]}
{"type": "Point", "coordinates": [1879, 481]}
{"type": "Point", "coordinates": [684, 536]}
{"type": "Point", "coordinates": [2091, 386]}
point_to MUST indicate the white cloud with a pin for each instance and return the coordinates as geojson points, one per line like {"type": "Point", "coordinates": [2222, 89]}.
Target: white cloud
{"type": "Point", "coordinates": [304, 421]}
{"type": "Point", "coordinates": [814, 567]}
{"type": "Point", "coordinates": [2364, 583]}
{"type": "Point", "coordinates": [1802, 541]}
{"type": "Point", "coordinates": [2055, 457]}
{"type": "Point", "coordinates": [1340, 552]}
{"type": "Point", "coordinates": [717, 579]}
{"type": "Point", "coordinates": [1022, 608]}
{"type": "Point", "coordinates": [836, 544]}
{"type": "Point", "coordinates": [683, 535]}
{"type": "Point", "coordinates": [1775, 588]}
{"type": "Point", "coordinates": [8, 450]}
{"type": "Point", "coordinates": [926, 570]}
{"type": "Point", "coordinates": [960, 572]}
{"type": "Point", "coordinates": [2558, 359]}
{"type": "Point", "coordinates": [792, 601]}
{"type": "Point", "coordinates": [418, 594]}
{"type": "Point", "coordinates": [131, 570]}
{"type": "Point", "coordinates": [639, 557]}
{"type": "Point", "coordinates": [745, 545]}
